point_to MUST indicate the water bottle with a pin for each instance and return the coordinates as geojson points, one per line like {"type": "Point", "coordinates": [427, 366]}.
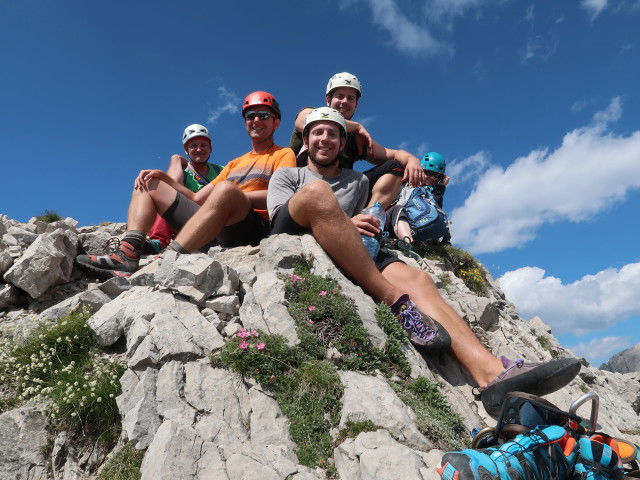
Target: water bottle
{"type": "Point", "coordinates": [372, 244]}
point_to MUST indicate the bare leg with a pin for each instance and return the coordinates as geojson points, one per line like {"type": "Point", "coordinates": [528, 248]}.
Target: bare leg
{"type": "Point", "coordinates": [385, 190]}
{"type": "Point", "coordinates": [226, 205]}
{"type": "Point", "coordinates": [146, 204]}
{"type": "Point", "coordinates": [315, 207]}
{"type": "Point", "coordinates": [481, 364]}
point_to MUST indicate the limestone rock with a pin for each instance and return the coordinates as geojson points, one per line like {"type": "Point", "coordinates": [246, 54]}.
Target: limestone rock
{"type": "Point", "coordinates": [48, 261]}
{"type": "Point", "coordinates": [24, 433]}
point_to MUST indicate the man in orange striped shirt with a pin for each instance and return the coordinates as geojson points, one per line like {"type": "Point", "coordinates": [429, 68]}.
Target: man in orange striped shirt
{"type": "Point", "coordinates": [230, 211]}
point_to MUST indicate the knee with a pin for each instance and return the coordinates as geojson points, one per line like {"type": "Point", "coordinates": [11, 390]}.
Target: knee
{"type": "Point", "coordinates": [423, 281]}
{"type": "Point", "coordinates": [225, 192]}
{"type": "Point", "coordinates": [317, 193]}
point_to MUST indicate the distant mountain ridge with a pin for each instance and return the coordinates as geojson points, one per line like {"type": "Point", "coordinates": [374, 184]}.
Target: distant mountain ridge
{"type": "Point", "coordinates": [626, 361]}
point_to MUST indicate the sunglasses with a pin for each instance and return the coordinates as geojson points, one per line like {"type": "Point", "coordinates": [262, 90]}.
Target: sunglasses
{"type": "Point", "coordinates": [429, 173]}
{"type": "Point", "coordinates": [261, 114]}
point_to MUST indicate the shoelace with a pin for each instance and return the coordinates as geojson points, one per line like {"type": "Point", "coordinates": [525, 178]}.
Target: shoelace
{"type": "Point", "coordinates": [113, 245]}
{"type": "Point", "coordinates": [412, 320]}
{"type": "Point", "coordinates": [551, 468]}
{"type": "Point", "coordinates": [517, 364]}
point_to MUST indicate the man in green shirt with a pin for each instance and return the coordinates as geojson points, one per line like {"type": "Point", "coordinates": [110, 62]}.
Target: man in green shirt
{"type": "Point", "coordinates": [194, 174]}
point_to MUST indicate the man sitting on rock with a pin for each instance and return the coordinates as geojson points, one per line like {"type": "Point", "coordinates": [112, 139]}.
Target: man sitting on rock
{"type": "Point", "coordinates": [315, 198]}
{"type": "Point", "coordinates": [392, 167]}
{"type": "Point", "coordinates": [231, 210]}
{"type": "Point", "coordinates": [194, 174]}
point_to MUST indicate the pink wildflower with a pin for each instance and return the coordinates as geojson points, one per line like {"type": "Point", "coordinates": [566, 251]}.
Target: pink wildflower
{"type": "Point", "coordinates": [254, 333]}
{"type": "Point", "coordinates": [323, 293]}
{"type": "Point", "coordinates": [243, 345]}
{"type": "Point", "coordinates": [294, 278]}
{"type": "Point", "coordinates": [312, 308]}
{"type": "Point", "coordinates": [311, 321]}
{"type": "Point", "coordinates": [261, 346]}
{"type": "Point", "coordinates": [242, 333]}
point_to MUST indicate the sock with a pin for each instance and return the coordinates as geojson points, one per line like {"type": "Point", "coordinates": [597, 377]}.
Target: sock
{"type": "Point", "coordinates": [176, 247]}
{"type": "Point", "coordinates": [135, 237]}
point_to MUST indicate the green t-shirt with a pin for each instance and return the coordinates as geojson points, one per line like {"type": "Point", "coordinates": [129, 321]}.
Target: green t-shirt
{"type": "Point", "coordinates": [194, 185]}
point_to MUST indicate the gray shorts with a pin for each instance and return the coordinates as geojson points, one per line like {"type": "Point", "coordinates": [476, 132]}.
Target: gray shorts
{"type": "Point", "coordinates": [248, 231]}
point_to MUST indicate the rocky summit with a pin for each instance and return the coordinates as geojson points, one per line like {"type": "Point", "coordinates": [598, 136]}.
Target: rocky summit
{"type": "Point", "coordinates": [195, 419]}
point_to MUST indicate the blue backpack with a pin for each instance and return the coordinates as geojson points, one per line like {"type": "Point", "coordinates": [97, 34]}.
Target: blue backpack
{"type": "Point", "coordinates": [429, 223]}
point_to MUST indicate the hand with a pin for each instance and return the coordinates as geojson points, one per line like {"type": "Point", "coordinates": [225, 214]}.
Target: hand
{"type": "Point", "coordinates": [445, 180]}
{"type": "Point", "coordinates": [363, 139]}
{"type": "Point", "coordinates": [142, 180]}
{"type": "Point", "coordinates": [413, 173]}
{"type": "Point", "coordinates": [367, 225]}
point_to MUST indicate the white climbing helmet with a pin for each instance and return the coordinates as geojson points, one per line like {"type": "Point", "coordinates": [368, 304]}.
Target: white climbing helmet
{"type": "Point", "coordinates": [327, 114]}
{"type": "Point", "coordinates": [344, 79]}
{"type": "Point", "coordinates": [195, 130]}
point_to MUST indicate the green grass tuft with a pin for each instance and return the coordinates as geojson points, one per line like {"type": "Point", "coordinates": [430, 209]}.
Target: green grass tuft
{"type": "Point", "coordinates": [59, 364]}
{"type": "Point", "coordinates": [123, 465]}
{"type": "Point", "coordinates": [49, 216]}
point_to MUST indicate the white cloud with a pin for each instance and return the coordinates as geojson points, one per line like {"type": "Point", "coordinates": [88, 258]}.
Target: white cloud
{"type": "Point", "coordinates": [594, 7]}
{"type": "Point", "coordinates": [468, 169]}
{"type": "Point", "coordinates": [230, 104]}
{"type": "Point", "coordinates": [366, 122]}
{"type": "Point", "coordinates": [599, 350]}
{"type": "Point", "coordinates": [594, 302]}
{"type": "Point", "coordinates": [539, 46]}
{"type": "Point", "coordinates": [530, 14]}
{"type": "Point", "coordinates": [406, 35]}
{"type": "Point", "coordinates": [508, 206]}
{"type": "Point", "coordinates": [443, 9]}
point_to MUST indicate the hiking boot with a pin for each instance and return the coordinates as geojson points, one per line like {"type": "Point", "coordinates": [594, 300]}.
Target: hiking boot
{"type": "Point", "coordinates": [534, 378]}
{"type": "Point", "coordinates": [544, 453]}
{"type": "Point", "coordinates": [424, 332]}
{"type": "Point", "coordinates": [599, 459]}
{"type": "Point", "coordinates": [121, 263]}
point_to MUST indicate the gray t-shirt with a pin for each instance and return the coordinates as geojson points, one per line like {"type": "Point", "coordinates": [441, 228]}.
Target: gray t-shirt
{"type": "Point", "coordinates": [351, 188]}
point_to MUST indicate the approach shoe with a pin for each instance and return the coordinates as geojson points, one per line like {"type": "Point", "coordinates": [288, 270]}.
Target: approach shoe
{"type": "Point", "coordinates": [534, 378]}
{"type": "Point", "coordinates": [424, 332]}
{"type": "Point", "coordinates": [544, 453]}
{"type": "Point", "coordinates": [121, 263]}
{"type": "Point", "coordinates": [598, 459]}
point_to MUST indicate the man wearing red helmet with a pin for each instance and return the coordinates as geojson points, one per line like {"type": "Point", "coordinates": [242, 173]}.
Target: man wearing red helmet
{"type": "Point", "coordinates": [392, 167]}
{"type": "Point", "coordinates": [230, 211]}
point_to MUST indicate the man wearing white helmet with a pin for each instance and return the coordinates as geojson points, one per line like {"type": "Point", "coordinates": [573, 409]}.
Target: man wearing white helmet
{"type": "Point", "coordinates": [230, 211]}
{"type": "Point", "coordinates": [393, 167]}
{"type": "Point", "coordinates": [315, 198]}
{"type": "Point", "coordinates": [194, 174]}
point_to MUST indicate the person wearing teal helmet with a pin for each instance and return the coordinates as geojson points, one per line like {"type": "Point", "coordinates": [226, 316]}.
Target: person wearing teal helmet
{"type": "Point", "coordinates": [436, 181]}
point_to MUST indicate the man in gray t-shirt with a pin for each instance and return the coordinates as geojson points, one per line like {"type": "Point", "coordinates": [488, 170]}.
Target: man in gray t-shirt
{"type": "Point", "coordinates": [324, 200]}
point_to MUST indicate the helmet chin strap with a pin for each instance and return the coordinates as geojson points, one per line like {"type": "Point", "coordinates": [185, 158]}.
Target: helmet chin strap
{"type": "Point", "coordinates": [320, 165]}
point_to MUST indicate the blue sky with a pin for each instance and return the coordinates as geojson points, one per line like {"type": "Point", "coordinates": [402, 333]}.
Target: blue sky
{"type": "Point", "coordinates": [535, 105]}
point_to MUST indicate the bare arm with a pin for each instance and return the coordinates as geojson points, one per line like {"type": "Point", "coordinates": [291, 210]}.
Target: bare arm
{"type": "Point", "coordinates": [412, 169]}
{"type": "Point", "coordinates": [302, 115]}
{"type": "Point", "coordinates": [145, 176]}
{"type": "Point", "coordinates": [258, 199]}
{"type": "Point", "coordinates": [177, 164]}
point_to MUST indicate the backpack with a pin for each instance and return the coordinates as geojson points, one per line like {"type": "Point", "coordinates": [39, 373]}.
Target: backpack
{"type": "Point", "coordinates": [429, 223]}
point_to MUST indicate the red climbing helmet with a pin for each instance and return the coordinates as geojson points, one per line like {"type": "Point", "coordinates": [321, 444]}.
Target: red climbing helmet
{"type": "Point", "coordinates": [261, 98]}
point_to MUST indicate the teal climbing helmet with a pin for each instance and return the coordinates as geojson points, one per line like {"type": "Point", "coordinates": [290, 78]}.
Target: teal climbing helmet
{"type": "Point", "coordinates": [434, 162]}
